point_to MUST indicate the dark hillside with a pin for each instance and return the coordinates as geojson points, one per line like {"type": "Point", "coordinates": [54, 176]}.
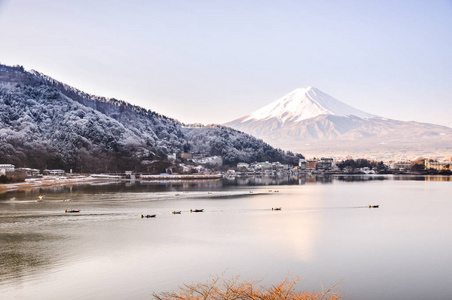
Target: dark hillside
{"type": "Point", "coordinates": [47, 124]}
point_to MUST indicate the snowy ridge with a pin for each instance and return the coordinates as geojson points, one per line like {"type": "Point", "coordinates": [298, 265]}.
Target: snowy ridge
{"type": "Point", "coordinates": [67, 89]}
{"type": "Point", "coordinates": [305, 103]}
{"type": "Point", "coordinates": [45, 123]}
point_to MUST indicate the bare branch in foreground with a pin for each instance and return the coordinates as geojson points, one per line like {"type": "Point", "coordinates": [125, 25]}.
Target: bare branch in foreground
{"type": "Point", "coordinates": [232, 289]}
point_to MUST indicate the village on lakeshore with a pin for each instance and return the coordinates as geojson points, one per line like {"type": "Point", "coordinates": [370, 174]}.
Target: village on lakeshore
{"type": "Point", "coordinates": [197, 166]}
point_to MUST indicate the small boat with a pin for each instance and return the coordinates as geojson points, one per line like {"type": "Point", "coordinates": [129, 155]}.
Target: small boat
{"type": "Point", "coordinates": [196, 210]}
{"type": "Point", "coordinates": [374, 206]}
{"type": "Point", "coordinates": [276, 208]}
{"type": "Point", "coordinates": [177, 212]}
{"type": "Point", "coordinates": [148, 216]}
{"type": "Point", "coordinates": [71, 211]}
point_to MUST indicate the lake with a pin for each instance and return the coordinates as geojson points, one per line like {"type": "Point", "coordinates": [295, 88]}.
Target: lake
{"type": "Point", "coordinates": [324, 234]}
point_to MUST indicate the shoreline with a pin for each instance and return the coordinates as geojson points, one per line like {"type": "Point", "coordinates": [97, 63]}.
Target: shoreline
{"type": "Point", "coordinates": [51, 181]}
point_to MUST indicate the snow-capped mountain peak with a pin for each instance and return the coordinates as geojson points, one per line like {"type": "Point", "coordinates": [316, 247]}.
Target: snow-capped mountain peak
{"type": "Point", "coordinates": [305, 103]}
{"type": "Point", "coordinates": [315, 123]}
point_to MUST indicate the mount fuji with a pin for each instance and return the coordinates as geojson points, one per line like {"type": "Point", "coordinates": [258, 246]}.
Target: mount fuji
{"type": "Point", "coordinates": [315, 123]}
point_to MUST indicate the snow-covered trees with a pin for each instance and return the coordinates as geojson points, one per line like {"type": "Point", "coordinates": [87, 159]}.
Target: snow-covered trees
{"type": "Point", "coordinates": [47, 124]}
{"type": "Point", "coordinates": [234, 146]}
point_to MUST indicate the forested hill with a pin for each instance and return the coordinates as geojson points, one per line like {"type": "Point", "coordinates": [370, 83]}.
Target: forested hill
{"type": "Point", "coordinates": [45, 123]}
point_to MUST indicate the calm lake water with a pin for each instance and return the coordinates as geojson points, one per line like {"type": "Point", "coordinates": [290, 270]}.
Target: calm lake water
{"type": "Point", "coordinates": [325, 233]}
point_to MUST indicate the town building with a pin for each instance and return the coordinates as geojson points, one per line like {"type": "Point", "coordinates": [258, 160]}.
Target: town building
{"type": "Point", "coordinates": [243, 166]}
{"type": "Point", "coordinates": [311, 164]}
{"type": "Point", "coordinates": [186, 155]}
{"type": "Point", "coordinates": [277, 166]}
{"type": "Point", "coordinates": [53, 172]}
{"type": "Point", "coordinates": [230, 172]}
{"type": "Point", "coordinates": [325, 164]}
{"type": "Point", "coordinates": [30, 172]}
{"type": "Point", "coordinates": [6, 168]}
{"type": "Point", "coordinates": [402, 165]}
{"type": "Point", "coordinates": [263, 166]}
{"type": "Point", "coordinates": [302, 164]}
{"type": "Point", "coordinates": [439, 166]}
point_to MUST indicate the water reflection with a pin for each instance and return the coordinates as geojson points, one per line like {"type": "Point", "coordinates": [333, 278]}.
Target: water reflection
{"type": "Point", "coordinates": [323, 232]}
{"type": "Point", "coordinates": [209, 185]}
{"type": "Point", "coordinates": [293, 230]}
{"type": "Point", "coordinates": [423, 177]}
{"type": "Point", "coordinates": [319, 178]}
{"type": "Point", "coordinates": [289, 179]}
{"type": "Point", "coordinates": [357, 178]}
{"type": "Point", "coordinates": [116, 187]}
{"type": "Point", "coordinates": [22, 254]}
{"type": "Point", "coordinates": [261, 180]}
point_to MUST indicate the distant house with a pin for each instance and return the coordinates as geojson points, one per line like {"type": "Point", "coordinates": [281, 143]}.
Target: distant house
{"type": "Point", "coordinates": [172, 156]}
{"type": "Point", "coordinates": [302, 164]}
{"type": "Point", "coordinates": [402, 165]}
{"type": "Point", "coordinates": [243, 166]}
{"type": "Point", "coordinates": [264, 165]}
{"type": "Point", "coordinates": [311, 164]}
{"type": "Point", "coordinates": [286, 167]}
{"type": "Point", "coordinates": [439, 166]}
{"type": "Point", "coordinates": [186, 155]}
{"type": "Point", "coordinates": [30, 172]}
{"type": "Point", "coordinates": [53, 172]}
{"type": "Point", "coordinates": [325, 164]}
{"type": "Point", "coordinates": [367, 170]}
{"type": "Point", "coordinates": [279, 166]}
{"type": "Point", "coordinates": [6, 168]}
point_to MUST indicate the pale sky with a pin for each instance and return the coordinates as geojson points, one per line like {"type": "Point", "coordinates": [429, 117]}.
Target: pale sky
{"type": "Point", "coordinates": [215, 61]}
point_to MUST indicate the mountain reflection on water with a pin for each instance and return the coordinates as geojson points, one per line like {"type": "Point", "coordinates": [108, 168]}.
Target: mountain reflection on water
{"type": "Point", "coordinates": [216, 184]}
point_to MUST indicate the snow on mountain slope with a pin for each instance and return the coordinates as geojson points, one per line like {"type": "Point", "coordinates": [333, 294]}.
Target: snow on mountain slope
{"type": "Point", "coordinates": [45, 123]}
{"type": "Point", "coordinates": [315, 123]}
{"type": "Point", "coordinates": [305, 103]}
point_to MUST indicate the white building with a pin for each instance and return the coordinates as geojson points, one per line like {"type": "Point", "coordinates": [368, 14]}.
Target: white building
{"type": "Point", "coordinates": [264, 165]}
{"type": "Point", "coordinates": [302, 164]}
{"type": "Point", "coordinates": [6, 168]}
{"type": "Point", "coordinates": [53, 172]}
{"type": "Point", "coordinates": [243, 166]}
